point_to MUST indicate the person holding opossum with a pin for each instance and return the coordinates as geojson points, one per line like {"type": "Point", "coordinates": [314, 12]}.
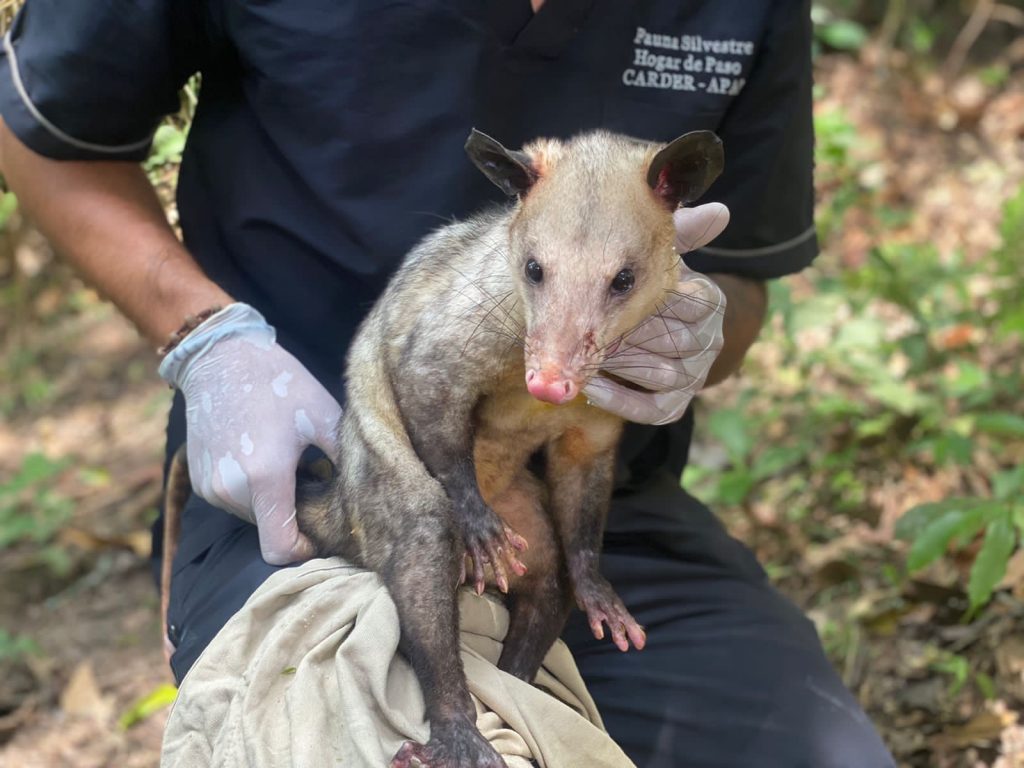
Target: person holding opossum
{"type": "Point", "coordinates": [328, 141]}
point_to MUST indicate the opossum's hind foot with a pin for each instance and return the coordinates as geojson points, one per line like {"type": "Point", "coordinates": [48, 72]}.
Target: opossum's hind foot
{"type": "Point", "coordinates": [602, 605]}
{"type": "Point", "coordinates": [454, 746]}
{"type": "Point", "coordinates": [491, 541]}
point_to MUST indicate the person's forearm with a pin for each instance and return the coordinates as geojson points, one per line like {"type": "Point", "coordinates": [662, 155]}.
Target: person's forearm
{"type": "Point", "coordinates": [746, 303]}
{"type": "Point", "coordinates": [105, 218]}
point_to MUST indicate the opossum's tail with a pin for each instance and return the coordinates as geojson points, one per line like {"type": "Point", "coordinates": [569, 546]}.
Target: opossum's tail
{"type": "Point", "coordinates": [316, 511]}
{"type": "Point", "coordinates": [179, 486]}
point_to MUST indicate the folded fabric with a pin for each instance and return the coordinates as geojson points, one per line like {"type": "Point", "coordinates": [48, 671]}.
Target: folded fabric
{"type": "Point", "coordinates": [308, 674]}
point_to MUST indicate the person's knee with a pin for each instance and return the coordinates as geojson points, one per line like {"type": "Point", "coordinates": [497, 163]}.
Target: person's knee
{"type": "Point", "coordinates": [818, 724]}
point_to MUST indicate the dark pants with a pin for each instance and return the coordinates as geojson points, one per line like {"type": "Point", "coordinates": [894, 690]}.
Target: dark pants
{"type": "Point", "coordinates": [733, 675]}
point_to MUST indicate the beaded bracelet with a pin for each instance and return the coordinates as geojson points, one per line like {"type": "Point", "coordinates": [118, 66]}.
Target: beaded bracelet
{"type": "Point", "coordinates": [191, 323]}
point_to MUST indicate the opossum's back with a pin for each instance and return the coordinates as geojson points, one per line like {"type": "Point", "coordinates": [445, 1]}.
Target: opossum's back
{"type": "Point", "coordinates": [438, 271]}
{"type": "Point", "coordinates": [448, 282]}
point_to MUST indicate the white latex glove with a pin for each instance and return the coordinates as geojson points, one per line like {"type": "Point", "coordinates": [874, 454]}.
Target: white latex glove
{"type": "Point", "coordinates": [671, 353]}
{"type": "Point", "coordinates": [251, 409]}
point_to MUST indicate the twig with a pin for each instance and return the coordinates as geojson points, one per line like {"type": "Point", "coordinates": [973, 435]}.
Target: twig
{"type": "Point", "coordinates": [894, 16]}
{"type": "Point", "coordinates": [1008, 14]}
{"type": "Point", "coordinates": [968, 36]}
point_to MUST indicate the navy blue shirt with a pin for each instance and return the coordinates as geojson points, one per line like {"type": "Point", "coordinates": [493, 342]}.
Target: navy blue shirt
{"type": "Point", "coordinates": [328, 136]}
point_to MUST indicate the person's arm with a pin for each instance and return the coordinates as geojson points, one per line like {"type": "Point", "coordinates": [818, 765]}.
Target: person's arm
{"type": "Point", "coordinates": [745, 308]}
{"type": "Point", "coordinates": [83, 87]}
{"type": "Point", "coordinates": [104, 217]}
{"type": "Point", "coordinates": [243, 445]}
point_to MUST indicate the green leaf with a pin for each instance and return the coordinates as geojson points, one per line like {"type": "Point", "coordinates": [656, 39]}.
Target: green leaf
{"type": "Point", "coordinates": [966, 379]}
{"type": "Point", "coordinates": [168, 144]}
{"type": "Point", "coordinates": [975, 513]}
{"type": "Point", "coordinates": [898, 395]}
{"type": "Point", "coordinates": [860, 332]}
{"type": "Point", "coordinates": [734, 485]}
{"type": "Point", "coordinates": [875, 427]}
{"type": "Point", "coordinates": [986, 685]}
{"type": "Point", "coordinates": [1000, 424]}
{"type": "Point", "coordinates": [8, 205]}
{"type": "Point", "coordinates": [912, 522]}
{"type": "Point", "coordinates": [951, 446]}
{"type": "Point", "coordinates": [775, 459]}
{"type": "Point", "coordinates": [921, 36]}
{"type": "Point", "coordinates": [160, 697]}
{"type": "Point", "coordinates": [1006, 485]}
{"type": "Point", "coordinates": [843, 35]}
{"type": "Point", "coordinates": [816, 312]}
{"type": "Point", "coordinates": [35, 468]}
{"type": "Point", "coordinates": [957, 667]}
{"type": "Point", "coordinates": [931, 543]}
{"type": "Point", "coordinates": [14, 646]}
{"type": "Point", "coordinates": [730, 427]}
{"type": "Point", "coordinates": [836, 406]}
{"type": "Point", "coordinates": [990, 565]}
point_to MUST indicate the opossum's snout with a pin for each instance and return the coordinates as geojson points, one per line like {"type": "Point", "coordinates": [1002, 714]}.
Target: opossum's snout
{"type": "Point", "coordinates": [555, 363]}
{"type": "Point", "coordinates": [551, 386]}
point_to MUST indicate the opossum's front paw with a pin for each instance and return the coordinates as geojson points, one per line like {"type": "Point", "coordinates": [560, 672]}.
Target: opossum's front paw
{"type": "Point", "coordinates": [602, 605]}
{"type": "Point", "coordinates": [490, 541]}
{"type": "Point", "coordinates": [452, 749]}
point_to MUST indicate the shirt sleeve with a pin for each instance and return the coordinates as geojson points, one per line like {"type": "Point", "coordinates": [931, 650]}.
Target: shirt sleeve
{"type": "Point", "coordinates": [91, 80]}
{"type": "Point", "coordinates": [768, 137]}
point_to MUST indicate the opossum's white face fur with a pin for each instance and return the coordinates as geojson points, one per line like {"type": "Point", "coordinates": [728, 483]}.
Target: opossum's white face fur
{"type": "Point", "coordinates": [591, 247]}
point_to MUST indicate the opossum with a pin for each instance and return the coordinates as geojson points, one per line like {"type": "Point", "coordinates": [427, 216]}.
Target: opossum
{"type": "Point", "coordinates": [466, 445]}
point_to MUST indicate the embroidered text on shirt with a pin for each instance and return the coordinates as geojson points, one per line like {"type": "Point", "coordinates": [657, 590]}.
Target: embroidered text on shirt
{"type": "Point", "coordinates": [712, 66]}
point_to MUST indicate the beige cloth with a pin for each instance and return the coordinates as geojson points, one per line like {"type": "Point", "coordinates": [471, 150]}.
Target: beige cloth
{"type": "Point", "coordinates": [308, 674]}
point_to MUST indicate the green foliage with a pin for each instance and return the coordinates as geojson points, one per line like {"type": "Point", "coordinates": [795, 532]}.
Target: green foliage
{"type": "Point", "coordinates": [168, 144]}
{"type": "Point", "coordinates": [159, 698]}
{"type": "Point", "coordinates": [887, 363]}
{"type": "Point", "coordinates": [170, 136]}
{"type": "Point", "coordinates": [841, 34]}
{"type": "Point", "coordinates": [923, 29]}
{"type": "Point", "coordinates": [8, 205]}
{"type": "Point", "coordinates": [958, 668]}
{"type": "Point", "coordinates": [30, 509]}
{"type": "Point", "coordinates": [14, 647]}
{"type": "Point", "coordinates": [933, 528]}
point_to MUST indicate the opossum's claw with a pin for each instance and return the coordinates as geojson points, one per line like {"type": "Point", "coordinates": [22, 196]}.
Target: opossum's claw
{"type": "Point", "coordinates": [451, 748]}
{"type": "Point", "coordinates": [478, 573]}
{"type": "Point", "coordinates": [637, 635]}
{"type": "Point", "coordinates": [516, 544]}
{"type": "Point", "coordinates": [517, 541]}
{"type": "Point", "coordinates": [494, 557]}
{"type": "Point", "coordinates": [596, 597]}
{"type": "Point", "coordinates": [491, 541]}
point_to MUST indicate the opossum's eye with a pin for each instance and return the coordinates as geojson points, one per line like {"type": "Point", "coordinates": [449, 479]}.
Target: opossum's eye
{"type": "Point", "coordinates": [623, 281]}
{"type": "Point", "coordinates": [534, 272]}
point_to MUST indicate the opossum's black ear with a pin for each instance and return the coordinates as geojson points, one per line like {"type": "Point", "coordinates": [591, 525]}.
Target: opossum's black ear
{"type": "Point", "coordinates": [682, 171]}
{"type": "Point", "coordinates": [510, 170]}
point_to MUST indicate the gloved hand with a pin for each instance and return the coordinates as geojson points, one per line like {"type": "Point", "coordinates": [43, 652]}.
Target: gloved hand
{"type": "Point", "coordinates": [251, 409]}
{"type": "Point", "coordinates": [671, 353]}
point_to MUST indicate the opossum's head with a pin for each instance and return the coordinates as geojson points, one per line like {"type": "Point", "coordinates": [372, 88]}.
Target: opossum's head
{"type": "Point", "coordinates": [591, 243]}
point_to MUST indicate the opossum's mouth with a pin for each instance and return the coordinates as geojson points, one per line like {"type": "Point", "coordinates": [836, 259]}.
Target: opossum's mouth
{"type": "Point", "coordinates": [624, 382]}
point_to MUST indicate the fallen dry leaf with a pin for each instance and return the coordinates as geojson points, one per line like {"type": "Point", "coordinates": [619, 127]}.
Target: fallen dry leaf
{"type": "Point", "coordinates": [984, 728]}
{"type": "Point", "coordinates": [82, 697]}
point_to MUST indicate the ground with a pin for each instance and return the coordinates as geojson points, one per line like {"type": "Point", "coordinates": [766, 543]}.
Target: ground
{"type": "Point", "coordinates": [907, 177]}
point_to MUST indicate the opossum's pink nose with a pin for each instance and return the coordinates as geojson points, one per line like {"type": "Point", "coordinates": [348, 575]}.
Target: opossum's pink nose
{"type": "Point", "coordinates": [551, 388]}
